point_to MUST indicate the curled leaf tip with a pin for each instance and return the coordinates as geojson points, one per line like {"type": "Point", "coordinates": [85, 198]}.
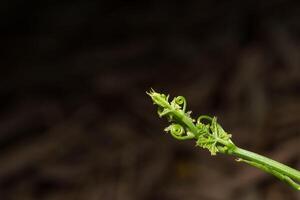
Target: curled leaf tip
{"type": "Point", "coordinates": [207, 132]}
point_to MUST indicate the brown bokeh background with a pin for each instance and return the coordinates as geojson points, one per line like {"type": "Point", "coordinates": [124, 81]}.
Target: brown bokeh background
{"type": "Point", "coordinates": [75, 122]}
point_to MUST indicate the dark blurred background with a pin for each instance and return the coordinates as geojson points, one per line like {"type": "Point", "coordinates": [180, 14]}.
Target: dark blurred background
{"type": "Point", "coordinates": [75, 122]}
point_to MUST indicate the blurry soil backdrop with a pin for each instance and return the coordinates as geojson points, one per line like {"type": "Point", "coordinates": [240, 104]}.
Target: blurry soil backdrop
{"type": "Point", "coordinates": [76, 124]}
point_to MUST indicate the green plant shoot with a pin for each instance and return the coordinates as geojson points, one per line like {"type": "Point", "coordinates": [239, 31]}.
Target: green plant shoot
{"type": "Point", "coordinates": [210, 135]}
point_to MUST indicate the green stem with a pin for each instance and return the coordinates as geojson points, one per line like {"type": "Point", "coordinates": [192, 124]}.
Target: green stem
{"type": "Point", "coordinates": [180, 116]}
{"type": "Point", "coordinates": [278, 169]}
{"type": "Point", "coordinates": [266, 163]}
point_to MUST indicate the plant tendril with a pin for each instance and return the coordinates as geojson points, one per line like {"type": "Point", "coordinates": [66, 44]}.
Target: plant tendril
{"type": "Point", "coordinates": [210, 135]}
